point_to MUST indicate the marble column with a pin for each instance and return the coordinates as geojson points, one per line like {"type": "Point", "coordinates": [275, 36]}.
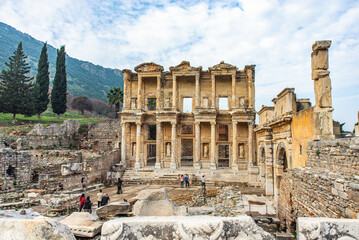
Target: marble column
{"type": "Point", "coordinates": [173, 164]}
{"type": "Point", "coordinates": [235, 147]}
{"type": "Point", "coordinates": [158, 101]}
{"type": "Point", "coordinates": [198, 94]}
{"type": "Point", "coordinates": [198, 145]}
{"type": "Point", "coordinates": [138, 146]}
{"type": "Point", "coordinates": [125, 96]}
{"type": "Point", "coordinates": [158, 145]}
{"type": "Point", "coordinates": [213, 77]}
{"type": "Point", "coordinates": [213, 146]}
{"type": "Point", "coordinates": [234, 102]}
{"type": "Point", "coordinates": [174, 93]}
{"type": "Point", "coordinates": [250, 143]}
{"type": "Point", "coordinates": [139, 93]}
{"type": "Point", "coordinates": [123, 144]}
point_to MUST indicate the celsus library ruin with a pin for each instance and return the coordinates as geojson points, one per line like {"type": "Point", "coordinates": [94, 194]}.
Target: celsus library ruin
{"type": "Point", "coordinates": [291, 171]}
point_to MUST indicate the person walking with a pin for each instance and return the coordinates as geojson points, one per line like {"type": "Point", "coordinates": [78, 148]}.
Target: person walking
{"type": "Point", "coordinates": [105, 199]}
{"type": "Point", "coordinates": [203, 182]}
{"type": "Point", "coordinates": [186, 179]}
{"type": "Point", "coordinates": [82, 201]}
{"type": "Point", "coordinates": [119, 186]}
{"type": "Point", "coordinates": [182, 181]}
{"type": "Point", "coordinates": [99, 198]}
{"type": "Point", "coordinates": [88, 205]}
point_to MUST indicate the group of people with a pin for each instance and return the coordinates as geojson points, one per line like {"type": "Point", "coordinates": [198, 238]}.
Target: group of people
{"type": "Point", "coordinates": [185, 181]}
{"type": "Point", "coordinates": [86, 204]}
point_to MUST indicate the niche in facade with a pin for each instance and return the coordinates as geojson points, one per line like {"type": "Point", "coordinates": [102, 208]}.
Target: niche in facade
{"type": "Point", "coordinates": [223, 132]}
{"type": "Point", "coordinates": [187, 129]}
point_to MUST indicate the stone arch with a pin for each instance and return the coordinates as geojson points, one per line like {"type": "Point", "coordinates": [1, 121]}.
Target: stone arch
{"type": "Point", "coordinates": [282, 156]}
{"type": "Point", "coordinates": [11, 171]}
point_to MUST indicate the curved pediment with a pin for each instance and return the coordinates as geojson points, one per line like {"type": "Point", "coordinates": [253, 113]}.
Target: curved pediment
{"type": "Point", "coordinates": [149, 67]}
{"type": "Point", "coordinates": [184, 66]}
{"type": "Point", "coordinates": [222, 66]}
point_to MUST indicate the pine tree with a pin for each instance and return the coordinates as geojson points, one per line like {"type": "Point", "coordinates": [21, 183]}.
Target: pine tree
{"type": "Point", "coordinates": [42, 83]}
{"type": "Point", "coordinates": [16, 87]}
{"type": "Point", "coordinates": [115, 96]}
{"type": "Point", "coordinates": [59, 88]}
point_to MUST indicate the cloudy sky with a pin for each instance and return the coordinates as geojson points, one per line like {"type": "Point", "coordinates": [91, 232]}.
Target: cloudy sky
{"type": "Point", "coordinates": [276, 35]}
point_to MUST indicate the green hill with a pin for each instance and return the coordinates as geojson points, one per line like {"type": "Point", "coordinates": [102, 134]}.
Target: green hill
{"type": "Point", "coordinates": [84, 78]}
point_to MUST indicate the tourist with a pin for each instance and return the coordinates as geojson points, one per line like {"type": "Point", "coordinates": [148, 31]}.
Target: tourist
{"type": "Point", "coordinates": [182, 181]}
{"type": "Point", "coordinates": [119, 186]}
{"type": "Point", "coordinates": [105, 199]}
{"type": "Point", "coordinates": [203, 182]}
{"type": "Point", "coordinates": [88, 205]}
{"type": "Point", "coordinates": [99, 198]}
{"type": "Point", "coordinates": [186, 179]}
{"type": "Point", "coordinates": [82, 201]}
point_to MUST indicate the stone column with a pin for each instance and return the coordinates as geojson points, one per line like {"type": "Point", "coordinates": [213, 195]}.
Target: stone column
{"type": "Point", "coordinates": [198, 94]}
{"type": "Point", "coordinates": [173, 164]}
{"type": "Point", "coordinates": [198, 145]}
{"type": "Point", "coordinates": [174, 93]}
{"type": "Point", "coordinates": [158, 102]}
{"type": "Point", "coordinates": [250, 144]}
{"type": "Point", "coordinates": [235, 147]}
{"type": "Point", "coordinates": [123, 144]}
{"type": "Point", "coordinates": [234, 96]}
{"type": "Point", "coordinates": [213, 146]}
{"type": "Point", "coordinates": [138, 146]}
{"type": "Point", "coordinates": [250, 76]}
{"type": "Point", "coordinates": [139, 93]}
{"type": "Point", "coordinates": [213, 77]}
{"type": "Point", "coordinates": [158, 145]}
{"type": "Point", "coordinates": [125, 96]}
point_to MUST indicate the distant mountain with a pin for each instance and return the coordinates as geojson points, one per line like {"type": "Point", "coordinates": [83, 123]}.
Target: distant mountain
{"type": "Point", "coordinates": [83, 78]}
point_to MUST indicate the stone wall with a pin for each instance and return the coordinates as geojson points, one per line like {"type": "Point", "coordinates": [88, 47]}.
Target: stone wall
{"type": "Point", "coordinates": [327, 187]}
{"type": "Point", "coordinates": [103, 135]}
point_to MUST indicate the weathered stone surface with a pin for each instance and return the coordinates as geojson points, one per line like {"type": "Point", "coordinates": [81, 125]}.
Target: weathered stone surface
{"type": "Point", "coordinates": [82, 224]}
{"type": "Point", "coordinates": [155, 202]}
{"type": "Point", "coordinates": [34, 229]}
{"type": "Point", "coordinates": [327, 228]}
{"type": "Point", "coordinates": [67, 129]}
{"type": "Point", "coordinates": [178, 227]}
{"type": "Point", "coordinates": [113, 209]}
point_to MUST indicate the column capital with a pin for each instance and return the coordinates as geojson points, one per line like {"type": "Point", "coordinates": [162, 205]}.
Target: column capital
{"type": "Point", "coordinates": [138, 123]}
{"type": "Point", "coordinates": [234, 122]}
{"type": "Point", "coordinates": [197, 123]}
{"type": "Point", "coordinates": [213, 123]}
{"type": "Point", "coordinates": [173, 123]}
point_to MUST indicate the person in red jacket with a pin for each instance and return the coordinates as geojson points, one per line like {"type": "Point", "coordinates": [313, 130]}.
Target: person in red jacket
{"type": "Point", "coordinates": [82, 201]}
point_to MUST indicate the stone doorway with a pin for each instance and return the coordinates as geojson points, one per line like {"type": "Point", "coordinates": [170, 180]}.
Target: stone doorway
{"type": "Point", "coordinates": [223, 156]}
{"type": "Point", "coordinates": [151, 155]}
{"type": "Point", "coordinates": [187, 153]}
{"type": "Point", "coordinates": [282, 159]}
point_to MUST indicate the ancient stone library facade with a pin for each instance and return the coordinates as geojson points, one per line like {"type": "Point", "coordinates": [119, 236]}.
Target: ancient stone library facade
{"type": "Point", "coordinates": [188, 117]}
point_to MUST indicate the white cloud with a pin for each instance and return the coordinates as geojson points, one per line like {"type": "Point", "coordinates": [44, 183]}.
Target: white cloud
{"type": "Point", "coordinates": [275, 35]}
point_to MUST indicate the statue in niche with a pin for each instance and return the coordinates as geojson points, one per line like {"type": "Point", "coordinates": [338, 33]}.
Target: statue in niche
{"type": "Point", "coordinates": [205, 102]}
{"type": "Point", "coordinates": [241, 102]}
{"type": "Point", "coordinates": [133, 149]}
{"type": "Point", "coordinates": [241, 150]}
{"type": "Point", "coordinates": [168, 150]}
{"type": "Point", "coordinates": [133, 103]}
{"type": "Point", "coordinates": [205, 150]}
{"type": "Point", "coordinates": [167, 102]}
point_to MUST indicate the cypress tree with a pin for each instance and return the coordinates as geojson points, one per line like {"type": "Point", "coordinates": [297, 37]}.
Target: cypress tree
{"type": "Point", "coordinates": [42, 83]}
{"type": "Point", "coordinates": [59, 86]}
{"type": "Point", "coordinates": [16, 87]}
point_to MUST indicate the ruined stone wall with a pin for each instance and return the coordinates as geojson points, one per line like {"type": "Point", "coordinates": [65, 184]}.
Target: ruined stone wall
{"type": "Point", "coordinates": [103, 135]}
{"type": "Point", "coordinates": [327, 187]}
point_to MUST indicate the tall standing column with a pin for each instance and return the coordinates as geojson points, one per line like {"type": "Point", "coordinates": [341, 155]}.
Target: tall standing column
{"type": "Point", "coordinates": [174, 93]}
{"type": "Point", "coordinates": [123, 144]}
{"type": "Point", "coordinates": [213, 77]}
{"type": "Point", "coordinates": [158, 102]}
{"type": "Point", "coordinates": [139, 93]}
{"type": "Point", "coordinates": [213, 146]}
{"type": "Point", "coordinates": [125, 96]}
{"type": "Point", "coordinates": [198, 94]}
{"type": "Point", "coordinates": [174, 146]}
{"type": "Point", "coordinates": [158, 145]}
{"type": "Point", "coordinates": [198, 145]}
{"type": "Point", "coordinates": [234, 104]}
{"type": "Point", "coordinates": [138, 146]}
{"type": "Point", "coordinates": [250, 143]}
{"type": "Point", "coordinates": [235, 147]}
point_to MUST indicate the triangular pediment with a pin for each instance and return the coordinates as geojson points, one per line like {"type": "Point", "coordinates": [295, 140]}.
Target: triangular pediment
{"type": "Point", "coordinates": [149, 67]}
{"type": "Point", "coordinates": [184, 66]}
{"type": "Point", "coordinates": [223, 66]}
